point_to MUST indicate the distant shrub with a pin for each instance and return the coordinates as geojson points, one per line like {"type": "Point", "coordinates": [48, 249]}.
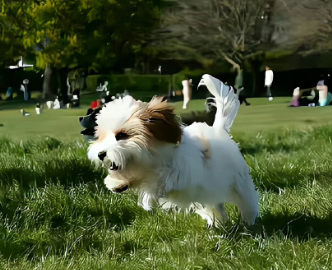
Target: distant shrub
{"type": "Point", "coordinates": [153, 84]}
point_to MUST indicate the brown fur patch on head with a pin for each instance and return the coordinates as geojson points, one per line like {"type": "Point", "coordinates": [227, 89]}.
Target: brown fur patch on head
{"type": "Point", "coordinates": [160, 120]}
{"type": "Point", "coordinates": [155, 119]}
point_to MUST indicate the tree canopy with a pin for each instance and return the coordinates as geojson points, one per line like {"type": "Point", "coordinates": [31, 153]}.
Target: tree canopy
{"type": "Point", "coordinates": [79, 32]}
{"type": "Point", "coordinates": [222, 29]}
{"type": "Point", "coordinates": [239, 30]}
{"type": "Point", "coordinates": [114, 34]}
{"type": "Point", "coordinates": [61, 35]}
{"type": "Point", "coordinates": [11, 31]}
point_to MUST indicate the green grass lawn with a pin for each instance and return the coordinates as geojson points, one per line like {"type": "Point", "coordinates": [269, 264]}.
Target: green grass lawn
{"type": "Point", "coordinates": [55, 212]}
{"type": "Point", "coordinates": [261, 116]}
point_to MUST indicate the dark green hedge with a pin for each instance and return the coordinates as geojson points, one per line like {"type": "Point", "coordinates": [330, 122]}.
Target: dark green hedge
{"type": "Point", "coordinates": [187, 74]}
{"type": "Point", "coordinates": [147, 85]}
{"type": "Point", "coordinates": [154, 84]}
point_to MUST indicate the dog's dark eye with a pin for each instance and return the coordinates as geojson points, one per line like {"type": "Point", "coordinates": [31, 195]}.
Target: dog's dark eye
{"type": "Point", "coordinates": [153, 120]}
{"type": "Point", "coordinates": [121, 136]}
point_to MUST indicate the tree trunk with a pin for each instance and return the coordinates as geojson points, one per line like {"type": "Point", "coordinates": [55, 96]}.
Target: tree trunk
{"type": "Point", "coordinates": [256, 84]}
{"type": "Point", "coordinates": [49, 88]}
{"type": "Point", "coordinates": [62, 74]}
{"type": "Point", "coordinates": [239, 79]}
{"type": "Point", "coordinates": [238, 67]}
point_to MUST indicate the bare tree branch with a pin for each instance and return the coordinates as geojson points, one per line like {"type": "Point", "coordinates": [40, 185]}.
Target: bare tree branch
{"type": "Point", "coordinates": [221, 29]}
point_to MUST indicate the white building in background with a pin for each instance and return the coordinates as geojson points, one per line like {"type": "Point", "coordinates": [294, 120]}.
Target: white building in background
{"type": "Point", "coordinates": [20, 64]}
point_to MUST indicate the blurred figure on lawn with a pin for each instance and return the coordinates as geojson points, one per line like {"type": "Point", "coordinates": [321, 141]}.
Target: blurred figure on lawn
{"type": "Point", "coordinates": [9, 93]}
{"type": "Point", "coordinates": [268, 81]}
{"type": "Point", "coordinates": [187, 92]}
{"type": "Point", "coordinates": [324, 88]}
{"type": "Point", "coordinates": [323, 98]}
{"type": "Point", "coordinates": [304, 97]}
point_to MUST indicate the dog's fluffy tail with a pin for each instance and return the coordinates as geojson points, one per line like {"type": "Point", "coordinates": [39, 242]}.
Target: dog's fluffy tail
{"type": "Point", "coordinates": [225, 100]}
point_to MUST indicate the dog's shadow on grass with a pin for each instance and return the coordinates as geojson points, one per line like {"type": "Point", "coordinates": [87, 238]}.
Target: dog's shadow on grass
{"type": "Point", "coordinates": [281, 179]}
{"type": "Point", "coordinates": [299, 225]}
{"type": "Point", "coordinates": [67, 174]}
{"type": "Point", "coordinates": [257, 149]}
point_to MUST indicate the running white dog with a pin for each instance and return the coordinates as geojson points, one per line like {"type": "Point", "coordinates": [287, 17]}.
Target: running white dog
{"type": "Point", "coordinates": [145, 147]}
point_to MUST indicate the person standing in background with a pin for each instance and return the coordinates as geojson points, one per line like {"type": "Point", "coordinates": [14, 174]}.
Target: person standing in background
{"type": "Point", "coordinates": [268, 81]}
{"type": "Point", "coordinates": [187, 92]}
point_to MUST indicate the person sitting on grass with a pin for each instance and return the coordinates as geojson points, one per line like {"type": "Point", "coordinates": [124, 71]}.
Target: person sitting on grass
{"type": "Point", "coordinates": [57, 103]}
{"type": "Point", "coordinates": [299, 98]}
{"type": "Point", "coordinates": [325, 88]}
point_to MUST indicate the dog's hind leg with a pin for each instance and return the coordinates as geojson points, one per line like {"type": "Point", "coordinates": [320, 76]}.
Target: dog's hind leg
{"type": "Point", "coordinates": [221, 209]}
{"type": "Point", "coordinates": [246, 199]}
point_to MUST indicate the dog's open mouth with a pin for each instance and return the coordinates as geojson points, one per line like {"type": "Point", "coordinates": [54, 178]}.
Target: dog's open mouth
{"type": "Point", "coordinates": [120, 189]}
{"type": "Point", "coordinates": [114, 167]}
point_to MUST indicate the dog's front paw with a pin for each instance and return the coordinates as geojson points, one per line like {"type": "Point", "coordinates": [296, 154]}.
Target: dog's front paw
{"type": "Point", "coordinates": [115, 185]}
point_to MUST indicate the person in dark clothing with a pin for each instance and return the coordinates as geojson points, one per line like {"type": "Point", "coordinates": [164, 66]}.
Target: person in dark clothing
{"type": "Point", "coordinates": [76, 98]}
{"type": "Point", "coordinates": [238, 85]}
{"type": "Point", "coordinates": [242, 98]}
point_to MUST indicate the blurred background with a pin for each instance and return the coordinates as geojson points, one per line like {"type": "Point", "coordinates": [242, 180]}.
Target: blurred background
{"type": "Point", "coordinates": [152, 45]}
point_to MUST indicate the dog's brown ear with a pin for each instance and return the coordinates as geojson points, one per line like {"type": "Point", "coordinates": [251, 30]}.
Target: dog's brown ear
{"type": "Point", "coordinates": [161, 122]}
{"type": "Point", "coordinates": [159, 100]}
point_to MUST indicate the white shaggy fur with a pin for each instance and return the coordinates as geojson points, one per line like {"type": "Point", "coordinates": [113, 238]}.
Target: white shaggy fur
{"type": "Point", "coordinates": [203, 172]}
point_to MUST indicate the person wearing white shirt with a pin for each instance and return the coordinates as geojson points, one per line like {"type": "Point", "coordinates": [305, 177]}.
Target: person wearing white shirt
{"type": "Point", "coordinates": [268, 81]}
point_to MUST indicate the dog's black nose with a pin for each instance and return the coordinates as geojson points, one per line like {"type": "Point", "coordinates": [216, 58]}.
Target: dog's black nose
{"type": "Point", "coordinates": [102, 155]}
{"type": "Point", "coordinates": [81, 118]}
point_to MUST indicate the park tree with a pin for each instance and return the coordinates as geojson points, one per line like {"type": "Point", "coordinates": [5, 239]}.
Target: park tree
{"type": "Point", "coordinates": [124, 28]}
{"type": "Point", "coordinates": [64, 35]}
{"type": "Point", "coordinates": [245, 33]}
{"type": "Point", "coordinates": [224, 30]}
{"type": "Point", "coordinates": [30, 27]}
{"type": "Point", "coordinates": [301, 32]}
{"type": "Point", "coordinates": [302, 26]}
{"type": "Point", "coordinates": [11, 30]}
{"type": "Point", "coordinates": [55, 32]}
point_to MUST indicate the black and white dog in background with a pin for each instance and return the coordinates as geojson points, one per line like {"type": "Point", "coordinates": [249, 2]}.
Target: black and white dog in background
{"type": "Point", "coordinates": [88, 122]}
